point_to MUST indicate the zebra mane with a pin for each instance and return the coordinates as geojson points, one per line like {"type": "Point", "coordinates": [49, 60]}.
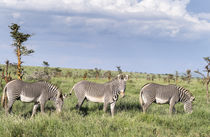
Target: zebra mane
{"type": "Point", "coordinates": [111, 81]}
{"type": "Point", "coordinates": [182, 89]}
{"type": "Point", "coordinates": [51, 86]}
{"type": "Point", "coordinates": [115, 78]}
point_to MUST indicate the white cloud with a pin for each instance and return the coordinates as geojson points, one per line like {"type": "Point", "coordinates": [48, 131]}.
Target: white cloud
{"type": "Point", "coordinates": [146, 17]}
{"type": "Point", "coordinates": [204, 16]}
{"type": "Point", "coordinates": [16, 15]}
{"type": "Point", "coordinates": [172, 7]}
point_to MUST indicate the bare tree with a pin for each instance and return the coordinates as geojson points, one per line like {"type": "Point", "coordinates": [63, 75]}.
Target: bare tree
{"type": "Point", "coordinates": [6, 77]}
{"type": "Point", "coordinates": [97, 72]}
{"type": "Point", "coordinates": [6, 72]}
{"type": "Point", "coordinates": [2, 78]}
{"type": "Point", "coordinates": [206, 78]}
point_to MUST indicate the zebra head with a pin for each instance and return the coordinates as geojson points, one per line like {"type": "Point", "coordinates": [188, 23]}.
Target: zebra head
{"type": "Point", "coordinates": [188, 105]}
{"type": "Point", "coordinates": [59, 101]}
{"type": "Point", "coordinates": [122, 84]}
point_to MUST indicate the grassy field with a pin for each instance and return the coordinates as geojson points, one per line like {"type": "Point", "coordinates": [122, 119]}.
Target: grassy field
{"type": "Point", "coordinates": [129, 120]}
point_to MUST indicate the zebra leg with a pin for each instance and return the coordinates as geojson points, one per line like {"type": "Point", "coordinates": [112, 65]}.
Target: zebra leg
{"type": "Point", "coordinates": [34, 109]}
{"type": "Point", "coordinates": [42, 107]}
{"type": "Point", "coordinates": [174, 110]}
{"type": "Point", "coordinates": [80, 102]}
{"type": "Point", "coordinates": [171, 108]}
{"type": "Point", "coordinates": [145, 106]}
{"type": "Point", "coordinates": [9, 106]}
{"type": "Point", "coordinates": [106, 102]}
{"type": "Point", "coordinates": [81, 97]}
{"type": "Point", "coordinates": [105, 106]}
{"type": "Point", "coordinates": [112, 105]}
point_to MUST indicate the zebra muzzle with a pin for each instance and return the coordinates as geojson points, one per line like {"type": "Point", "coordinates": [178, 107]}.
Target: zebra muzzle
{"type": "Point", "coordinates": [58, 111]}
{"type": "Point", "coordinates": [122, 94]}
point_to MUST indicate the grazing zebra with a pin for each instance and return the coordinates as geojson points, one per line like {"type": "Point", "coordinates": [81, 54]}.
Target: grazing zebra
{"type": "Point", "coordinates": [162, 94]}
{"type": "Point", "coordinates": [38, 92]}
{"type": "Point", "coordinates": [106, 93]}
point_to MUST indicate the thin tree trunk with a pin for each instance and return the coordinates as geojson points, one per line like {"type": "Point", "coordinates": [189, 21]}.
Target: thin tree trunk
{"type": "Point", "coordinates": [6, 73]}
{"type": "Point", "coordinates": [19, 71]}
{"type": "Point", "coordinates": [2, 77]}
{"type": "Point", "coordinates": [207, 92]}
{"type": "Point", "coordinates": [3, 101]}
{"type": "Point", "coordinates": [207, 87]}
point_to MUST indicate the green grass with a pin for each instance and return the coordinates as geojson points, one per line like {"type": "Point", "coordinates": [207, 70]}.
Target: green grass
{"type": "Point", "coordinates": [129, 120]}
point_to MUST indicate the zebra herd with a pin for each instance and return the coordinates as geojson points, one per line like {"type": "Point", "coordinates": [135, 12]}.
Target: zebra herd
{"type": "Point", "coordinates": [107, 93]}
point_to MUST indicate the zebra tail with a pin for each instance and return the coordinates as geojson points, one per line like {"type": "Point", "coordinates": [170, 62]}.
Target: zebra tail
{"type": "Point", "coordinates": [71, 91]}
{"type": "Point", "coordinates": [4, 98]}
{"type": "Point", "coordinates": [140, 98]}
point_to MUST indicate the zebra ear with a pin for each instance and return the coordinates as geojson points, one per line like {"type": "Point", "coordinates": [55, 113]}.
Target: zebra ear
{"type": "Point", "coordinates": [58, 94]}
{"type": "Point", "coordinates": [192, 98]}
{"type": "Point", "coordinates": [65, 95]}
{"type": "Point", "coordinates": [118, 76]}
{"type": "Point", "coordinates": [126, 77]}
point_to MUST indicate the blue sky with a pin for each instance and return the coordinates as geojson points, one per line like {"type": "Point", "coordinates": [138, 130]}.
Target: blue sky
{"type": "Point", "coordinates": [154, 36]}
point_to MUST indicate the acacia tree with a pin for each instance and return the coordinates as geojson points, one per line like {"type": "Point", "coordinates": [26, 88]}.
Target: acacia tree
{"type": "Point", "coordinates": [46, 66]}
{"type": "Point", "coordinates": [97, 72]}
{"type": "Point", "coordinates": [207, 77]}
{"type": "Point", "coordinates": [119, 70]}
{"type": "Point", "coordinates": [85, 75]}
{"type": "Point", "coordinates": [20, 50]}
{"type": "Point", "coordinates": [108, 74]}
{"type": "Point", "coordinates": [153, 77]}
{"type": "Point", "coordinates": [188, 76]}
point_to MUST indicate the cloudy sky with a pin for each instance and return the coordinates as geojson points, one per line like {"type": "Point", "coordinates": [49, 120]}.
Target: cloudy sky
{"type": "Point", "coordinates": [155, 36]}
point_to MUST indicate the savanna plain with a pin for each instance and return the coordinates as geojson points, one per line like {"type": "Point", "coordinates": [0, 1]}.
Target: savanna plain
{"type": "Point", "coordinates": [91, 121]}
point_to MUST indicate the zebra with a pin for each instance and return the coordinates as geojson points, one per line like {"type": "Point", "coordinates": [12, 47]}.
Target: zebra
{"type": "Point", "coordinates": [106, 93]}
{"type": "Point", "coordinates": [161, 94]}
{"type": "Point", "coordinates": [37, 92]}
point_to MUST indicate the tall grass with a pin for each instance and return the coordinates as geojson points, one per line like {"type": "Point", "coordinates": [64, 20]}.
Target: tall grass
{"type": "Point", "coordinates": [93, 122]}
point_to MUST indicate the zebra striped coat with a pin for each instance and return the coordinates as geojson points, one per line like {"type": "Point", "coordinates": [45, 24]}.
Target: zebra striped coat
{"type": "Point", "coordinates": [162, 94]}
{"type": "Point", "coordinates": [106, 93]}
{"type": "Point", "coordinates": [38, 92]}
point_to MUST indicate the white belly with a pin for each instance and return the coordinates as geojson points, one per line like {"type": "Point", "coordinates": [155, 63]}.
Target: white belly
{"type": "Point", "coordinates": [26, 99]}
{"type": "Point", "coordinates": [161, 101]}
{"type": "Point", "coordinates": [95, 99]}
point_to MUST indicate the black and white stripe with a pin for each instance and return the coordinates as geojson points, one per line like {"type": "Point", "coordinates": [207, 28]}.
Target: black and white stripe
{"type": "Point", "coordinates": [116, 95]}
{"type": "Point", "coordinates": [52, 90]}
{"type": "Point", "coordinates": [37, 92]}
{"type": "Point", "coordinates": [161, 94]}
{"type": "Point", "coordinates": [184, 94]}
